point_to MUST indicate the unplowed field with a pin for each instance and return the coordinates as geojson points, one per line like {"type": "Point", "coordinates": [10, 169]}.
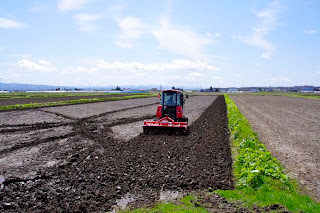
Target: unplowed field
{"type": "Point", "coordinates": [82, 158]}
{"type": "Point", "coordinates": [14, 101]}
{"type": "Point", "coordinates": [290, 128]}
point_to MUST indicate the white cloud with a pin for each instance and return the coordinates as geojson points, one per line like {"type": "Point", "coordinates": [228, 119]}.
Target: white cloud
{"type": "Point", "coordinates": [132, 29]}
{"type": "Point", "coordinates": [42, 65]}
{"type": "Point", "coordinates": [9, 77]}
{"type": "Point", "coordinates": [215, 35]}
{"type": "Point", "coordinates": [196, 75]}
{"type": "Point", "coordinates": [176, 64]}
{"type": "Point", "coordinates": [310, 32]}
{"type": "Point", "coordinates": [85, 17]}
{"type": "Point", "coordinates": [43, 62]}
{"type": "Point", "coordinates": [267, 21]}
{"type": "Point", "coordinates": [80, 69]}
{"type": "Point", "coordinates": [281, 80]}
{"type": "Point", "coordinates": [65, 5]}
{"type": "Point", "coordinates": [181, 40]}
{"type": "Point", "coordinates": [217, 78]}
{"type": "Point", "coordinates": [86, 21]}
{"type": "Point", "coordinates": [7, 23]}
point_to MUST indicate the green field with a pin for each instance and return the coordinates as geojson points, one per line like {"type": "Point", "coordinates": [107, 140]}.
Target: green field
{"type": "Point", "coordinates": [289, 94]}
{"type": "Point", "coordinates": [14, 95]}
{"type": "Point", "coordinates": [79, 101]}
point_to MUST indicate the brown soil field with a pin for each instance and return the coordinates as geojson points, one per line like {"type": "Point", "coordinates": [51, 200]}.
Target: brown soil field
{"type": "Point", "coordinates": [72, 161]}
{"type": "Point", "coordinates": [289, 127]}
{"type": "Point", "coordinates": [5, 102]}
{"type": "Point", "coordinates": [81, 111]}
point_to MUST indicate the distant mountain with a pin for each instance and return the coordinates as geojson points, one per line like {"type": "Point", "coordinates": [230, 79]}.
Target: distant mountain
{"type": "Point", "coordinates": [35, 87]}
{"type": "Point", "coordinates": [24, 87]}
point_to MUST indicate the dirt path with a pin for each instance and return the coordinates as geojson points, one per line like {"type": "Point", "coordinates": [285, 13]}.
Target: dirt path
{"type": "Point", "coordinates": [90, 170]}
{"type": "Point", "coordinates": [289, 127]}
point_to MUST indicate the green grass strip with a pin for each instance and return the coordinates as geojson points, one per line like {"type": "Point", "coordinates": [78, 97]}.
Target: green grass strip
{"type": "Point", "coordinates": [312, 96]}
{"type": "Point", "coordinates": [18, 95]}
{"type": "Point", "coordinates": [260, 179]}
{"type": "Point", "coordinates": [80, 101]}
{"type": "Point", "coordinates": [186, 205]}
{"type": "Point", "coordinates": [288, 94]}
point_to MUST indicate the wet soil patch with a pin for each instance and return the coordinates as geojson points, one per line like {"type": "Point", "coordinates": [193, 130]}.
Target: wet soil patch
{"type": "Point", "coordinates": [5, 102]}
{"type": "Point", "coordinates": [217, 204]}
{"type": "Point", "coordinates": [143, 166]}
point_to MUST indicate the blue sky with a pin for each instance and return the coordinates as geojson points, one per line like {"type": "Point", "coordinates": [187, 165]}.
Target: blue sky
{"type": "Point", "coordinates": [184, 43]}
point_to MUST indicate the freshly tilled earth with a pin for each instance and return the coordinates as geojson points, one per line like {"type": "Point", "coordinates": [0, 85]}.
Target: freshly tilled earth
{"type": "Point", "coordinates": [93, 180]}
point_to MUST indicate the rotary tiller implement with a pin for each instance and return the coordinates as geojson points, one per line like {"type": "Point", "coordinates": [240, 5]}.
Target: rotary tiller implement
{"type": "Point", "coordinates": [165, 125]}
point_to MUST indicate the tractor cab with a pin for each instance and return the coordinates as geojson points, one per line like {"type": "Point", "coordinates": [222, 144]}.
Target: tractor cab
{"type": "Point", "coordinates": [171, 105]}
{"type": "Point", "coordinates": [172, 98]}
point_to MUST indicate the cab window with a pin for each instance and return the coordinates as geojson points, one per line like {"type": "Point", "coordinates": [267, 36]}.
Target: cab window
{"type": "Point", "coordinates": [179, 99]}
{"type": "Point", "coordinates": [169, 99]}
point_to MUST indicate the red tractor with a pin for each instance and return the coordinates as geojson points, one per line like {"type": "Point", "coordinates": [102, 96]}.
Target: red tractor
{"type": "Point", "coordinates": [170, 114]}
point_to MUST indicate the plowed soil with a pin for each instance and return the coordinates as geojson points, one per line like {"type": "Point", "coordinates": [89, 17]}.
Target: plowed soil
{"type": "Point", "coordinates": [90, 170]}
{"type": "Point", "coordinates": [14, 101]}
{"type": "Point", "coordinates": [289, 127]}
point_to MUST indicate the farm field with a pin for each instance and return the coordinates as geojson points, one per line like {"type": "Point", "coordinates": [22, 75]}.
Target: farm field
{"type": "Point", "coordinates": [289, 127]}
{"type": "Point", "coordinates": [81, 157]}
{"type": "Point", "coordinates": [43, 98]}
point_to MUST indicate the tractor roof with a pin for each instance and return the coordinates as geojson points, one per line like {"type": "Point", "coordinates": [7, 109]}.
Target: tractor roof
{"type": "Point", "coordinates": [172, 90]}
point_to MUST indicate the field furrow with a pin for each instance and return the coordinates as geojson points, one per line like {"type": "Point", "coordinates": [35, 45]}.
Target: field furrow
{"type": "Point", "coordinates": [101, 156]}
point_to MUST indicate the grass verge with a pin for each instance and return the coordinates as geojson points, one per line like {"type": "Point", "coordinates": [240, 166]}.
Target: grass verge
{"type": "Point", "coordinates": [80, 101]}
{"type": "Point", "coordinates": [288, 94]}
{"type": "Point", "coordinates": [260, 178]}
{"type": "Point", "coordinates": [186, 205]}
{"type": "Point", "coordinates": [18, 95]}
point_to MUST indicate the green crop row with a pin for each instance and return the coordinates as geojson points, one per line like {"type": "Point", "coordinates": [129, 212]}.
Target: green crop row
{"type": "Point", "coordinates": [260, 179]}
{"type": "Point", "coordinates": [80, 101]}
{"type": "Point", "coordinates": [254, 164]}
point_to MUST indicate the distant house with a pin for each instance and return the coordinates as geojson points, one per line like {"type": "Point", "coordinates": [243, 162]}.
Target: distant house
{"type": "Point", "coordinates": [126, 89]}
{"type": "Point", "coordinates": [233, 89]}
{"type": "Point", "coordinates": [254, 90]}
{"type": "Point", "coordinates": [154, 89]}
{"type": "Point", "coordinates": [307, 89]}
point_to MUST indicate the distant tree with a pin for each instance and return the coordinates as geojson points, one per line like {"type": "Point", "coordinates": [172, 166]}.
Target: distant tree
{"type": "Point", "coordinates": [179, 89]}
{"type": "Point", "coordinates": [210, 89]}
{"type": "Point", "coordinates": [173, 87]}
{"type": "Point", "coordinates": [58, 89]}
{"type": "Point", "coordinates": [217, 90]}
{"type": "Point", "coordinates": [118, 88]}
